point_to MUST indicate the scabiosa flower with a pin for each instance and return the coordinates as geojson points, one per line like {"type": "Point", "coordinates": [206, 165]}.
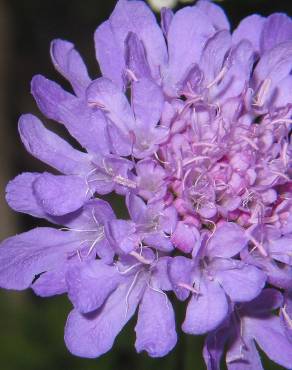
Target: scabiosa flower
{"type": "Point", "coordinates": [190, 123]}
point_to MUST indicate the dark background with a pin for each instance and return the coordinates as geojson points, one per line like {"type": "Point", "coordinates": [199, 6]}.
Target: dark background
{"type": "Point", "coordinates": [31, 329]}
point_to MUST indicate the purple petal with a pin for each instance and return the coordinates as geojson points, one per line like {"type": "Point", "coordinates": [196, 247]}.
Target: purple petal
{"type": "Point", "coordinates": [112, 173]}
{"type": "Point", "coordinates": [189, 30]}
{"type": "Point", "coordinates": [269, 300]}
{"type": "Point", "coordinates": [206, 310]}
{"type": "Point", "coordinates": [249, 29]}
{"type": "Point", "coordinates": [155, 329]}
{"type": "Point", "coordinates": [281, 98]}
{"type": "Point", "coordinates": [89, 284]}
{"type": "Point", "coordinates": [59, 195]}
{"type": "Point", "coordinates": [147, 115]}
{"type": "Point", "coordinates": [271, 337]}
{"type": "Point", "coordinates": [273, 66]}
{"type": "Point", "coordinates": [214, 347]}
{"type": "Point", "coordinates": [213, 55]}
{"type": "Point", "coordinates": [286, 314]}
{"type": "Point", "coordinates": [215, 14]}
{"type": "Point", "coordinates": [21, 197]}
{"type": "Point", "coordinates": [52, 282]}
{"type": "Point", "coordinates": [50, 148]}
{"type": "Point", "coordinates": [281, 249]}
{"type": "Point", "coordinates": [94, 214]}
{"type": "Point", "coordinates": [26, 255]}
{"type": "Point", "coordinates": [185, 237]}
{"type": "Point", "coordinates": [120, 143]}
{"type": "Point", "coordinates": [240, 281]}
{"type": "Point", "coordinates": [192, 79]}
{"type": "Point", "coordinates": [94, 334]}
{"type": "Point", "coordinates": [105, 251]}
{"type": "Point", "coordinates": [68, 62]}
{"type": "Point", "coordinates": [136, 207]}
{"type": "Point", "coordinates": [52, 100]}
{"type": "Point", "coordinates": [106, 45]}
{"type": "Point", "coordinates": [104, 94]}
{"type": "Point", "coordinates": [146, 141]}
{"type": "Point", "coordinates": [122, 235]}
{"type": "Point", "coordinates": [166, 16]}
{"type": "Point", "coordinates": [179, 269]}
{"type": "Point", "coordinates": [280, 277]}
{"type": "Point", "coordinates": [228, 240]}
{"type": "Point", "coordinates": [59, 105]}
{"type": "Point", "coordinates": [135, 57]}
{"type": "Point", "coordinates": [243, 355]}
{"type": "Point", "coordinates": [168, 219]}
{"type": "Point", "coordinates": [150, 177]}
{"type": "Point", "coordinates": [277, 28]}
{"type": "Point", "coordinates": [136, 17]}
{"type": "Point", "coordinates": [158, 240]}
{"type": "Point", "coordinates": [239, 64]}
{"type": "Point", "coordinates": [159, 277]}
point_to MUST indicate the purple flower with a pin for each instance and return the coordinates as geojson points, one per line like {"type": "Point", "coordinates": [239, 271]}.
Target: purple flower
{"type": "Point", "coordinates": [190, 123]}
{"type": "Point", "coordinates": [249, 323]}
{"type": "Point", "coordinates": [106, 297]}
{"type": "Point", "coordinates": [212, 277]}
{"type": "Point", "coordinates": [49, 252]}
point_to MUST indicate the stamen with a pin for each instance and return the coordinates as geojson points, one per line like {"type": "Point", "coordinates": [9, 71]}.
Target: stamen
{"type": "Point", "coordinates": [130, 290]}
{"type": "Point", "coordinates": [179, 169]}
{"type": "Point", "coordinates": [218, 78]}
{"type": "Point", "coordinates": [125, 182]}
{"type": "Point", "coordinates": [79, 255]}
{"type": "Point", "coordinates": [160, 292]}
{"type": "Point", "coordinates": [189, 287]}
{"type": "Point", "coordinates": [260, 97]}
{"type": "Point", "coordinates": [201, 143]}
{"type": "Point", "coordinates": [266, 220]}
{"type": "Point", "coordinates": [284, 197]}
{"type": "Point", "coordinates": [97, 240]}
{"type": "Point", "coordinates": [94, 218]}
{"type": "Point", "coordinates": [132, 136]}
{"type": "Point", "coordinates": [189, 95]}
{"type": "Point", "coordinates": [248, 198]}
{"type": "Point", "coordinates": [128, 269]}
{"type": "Point", "coordinates": [141, 248]}
{"type": "Point", "coordinates": [258, 245]}
{"type": "Point", "coordinates": [281, 175]}
{"type": "Point", "coordinates": [186, 162]}
{"type": "Point", "coordinates": [141, 258]}
{"type": "Point", "coordinates": [287, 317]}
{"type": "Point", "coordinates": [284, 153]}
{"type": "Point", "coordinates": [256, 213]}
{"type": "Point", "coordinates": [96, 104]}
{"type": "Point", "coordinates": [98, 179]}
{"type": "Point", "coordinates": [160, 160]}
{"type": "Point", "coordinates": [185, 177]}
{"type": "Point", "coordinates": [132, 75]}
{"type": "Point", "coordinates": [198, 179]}
{"type": "Point", "coordinates": [281, 120]}
{"type": "Point", "coordinates": [249, 141]}
{"type": "Point", "coordinates": [212, 231]}
{"type": "Point", "coordinates": [87, 182]}
{"type": "Point", "coordinates": [217, 107]}
{"type": "Point", "coordinates": [108, 170]}
{"type": "Point", "coordinates": [88, 190]}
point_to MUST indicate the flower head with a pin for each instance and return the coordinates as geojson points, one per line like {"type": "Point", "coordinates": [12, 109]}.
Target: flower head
{"type": "Point", "coordinates": [190, 123]}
